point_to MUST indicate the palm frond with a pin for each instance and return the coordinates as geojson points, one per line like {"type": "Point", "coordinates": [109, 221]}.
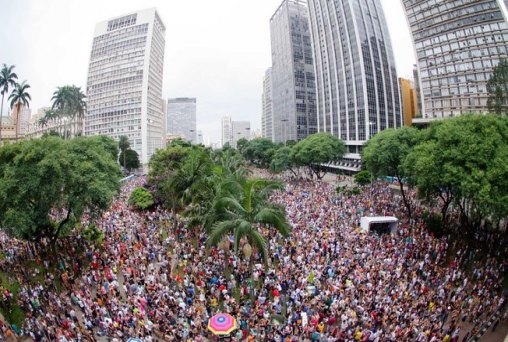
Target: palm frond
{"type": "Point", "coordinates": [219, 231]}
{"type": "Point", "coordinates": [259, 241]}
{"type": "Point", "coordinates": [275, 218]}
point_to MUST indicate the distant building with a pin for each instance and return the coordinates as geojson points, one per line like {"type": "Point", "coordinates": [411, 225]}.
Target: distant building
{"type": "Point", "coordinates": [182, 118]}
{"type": "Point", "coordinates": [457, 45]}
{"type": "Point", "coordinates": [292, 75]}
{"type": "Point", "coordinates": [267, 104]}
{"type": "Point", "coordinates": [240, 130]}
{"type": "Point", "coordinates": [409, 103]}
{"type": "Point", "coordinates": [356, 80]}
{"type": "Point", "coordinates": [227, 133]}
{"type": "Point", "coordinates": [124, 87]}
{"type": "Point", "coordinates": [8, 129]}
{"type": "Point", "coordinates": [200, 138]}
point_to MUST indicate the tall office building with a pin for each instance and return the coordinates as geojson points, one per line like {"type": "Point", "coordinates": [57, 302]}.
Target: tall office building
{"type": "Point", "coordinates": [267, 116]}
{"type": "Point", "coordinates": [240, 130]}
{"type": "Point", "coordinates": [457, 43]}
{"type": "Point", "coordinates": [357, 85]}
{"type": "Point", "coordinates": [227, 133]}
{"type": "Point", "coordinates": [293, 81]}
{"type": "Point", "coordinates": [409, 103]}
{"type": "Point", "coordinates": [124, 87]}
{"type": "Point", "coordinates": [182, 118]}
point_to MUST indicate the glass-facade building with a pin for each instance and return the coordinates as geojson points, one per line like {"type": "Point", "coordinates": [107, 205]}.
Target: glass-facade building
{"type": "Point", "coordinates": [124, 86]}
{"type": "Point", "coordinates": [182, 118]}
{"type": "Point", "coordinates": [457, 44]}
{"type": "Point", "coordinates": [356, 80]}
{"type": "Point", "coordinates": [267, 104]}
{"type": "Point", "coordinates": [293, 80]}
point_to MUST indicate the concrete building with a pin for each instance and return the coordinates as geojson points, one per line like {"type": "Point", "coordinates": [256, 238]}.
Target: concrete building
{"type": "Point", "coordinates": [182, 118]}
{"type": "Point", "coordinates": [356, 80]}
{"type": "Point", "coordinates": [124, 87]}
{"type": "Point", "coordinates": [457, 44]}
{"type": "Point", "coordinates": [8, 129]}
{"type": "Point", "coordinates": [292, 74]}
{"type": "Point", "coordinates": [227, 131]}
{"type": "Point", "coordinates": [409, 103]}
{"type": "Point", "coordinates": [267, 115]}
{"type": "Point", "coordinates": [240, 130]}
{"type": "Point", "coordinates": [416, 84]}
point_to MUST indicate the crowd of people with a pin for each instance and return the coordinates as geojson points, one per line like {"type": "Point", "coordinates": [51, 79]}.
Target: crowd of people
{"type": "Point", "coordinates": [329, 281]}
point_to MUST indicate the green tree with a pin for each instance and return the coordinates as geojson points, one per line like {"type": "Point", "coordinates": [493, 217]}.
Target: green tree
{"type": "Point", "coordinates": [316, 150]}
{"type": "Point", "coordinates": [363, 177]}
{"type": "Point", "coordinates": [463, 162]}
{"type": "Point", "coordinates": [141, 199]}
{"type": "Point", "coordinates": [385, 154]}
{"type": "Point", "coordinates": [129, 159]}
{"type": "Point", "coordinates": [241, 145]}
{"type": "Point", "coordinates": [282, 161]}
{"type": "Point", "coordinates": [69, 107]}
{"type": "Point", "coordinates": [7, 79]}
{"type": "Point", "coordinates": [259, 151]}
{"type": "Point", "coordinates": [47, 184]}
{"type": "Point", "coordinates": [497, 86]}
{"type": "Point", "coordinates": [19, 97]}
{"type": "Point", "coordinates": [245, 213]}
{"type": "Point", "coordinates": [123, 145]}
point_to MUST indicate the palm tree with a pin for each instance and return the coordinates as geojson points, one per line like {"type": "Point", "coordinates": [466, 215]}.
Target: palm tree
{"type": "Point", "coordinates": [20, 97]}
{"type": "Point", "coordinates": [245, 213]}
{"type": "Point", "coordinates": [69, 104]}
{"type": "Point", "coordinates": [7, 79]}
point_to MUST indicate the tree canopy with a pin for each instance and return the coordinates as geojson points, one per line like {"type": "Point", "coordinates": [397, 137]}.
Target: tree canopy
{"type": "Point", "coordinates": [258, 151]}
{"type": "Point", "coordinates": [464, 161]}
{"type": "Point", "coordinates": [129, 159]}
{"type": "Point", "coordinates": [46, 185]}
{"type": "Point", "coordinates": [386, 152]}
{"type": "Point", "coordinates": [316, 150]}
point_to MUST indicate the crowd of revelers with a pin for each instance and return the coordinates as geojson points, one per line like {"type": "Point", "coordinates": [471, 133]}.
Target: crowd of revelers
{"type": "Point", "coordinates": [327, 282]}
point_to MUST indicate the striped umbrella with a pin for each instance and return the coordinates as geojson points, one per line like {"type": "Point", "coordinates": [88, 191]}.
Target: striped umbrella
{"type": "Point", "coordinates": [222, 324]}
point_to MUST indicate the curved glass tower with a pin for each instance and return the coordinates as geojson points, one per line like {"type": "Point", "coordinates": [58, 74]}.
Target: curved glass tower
{"type": "Point", "coordinates": [457, 44]}
{"type": "Point", "coordinates": [356, 81]}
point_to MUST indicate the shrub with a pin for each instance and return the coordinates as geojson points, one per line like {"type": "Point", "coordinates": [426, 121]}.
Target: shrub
{"type": "Point", "coordinates": [141, 199]}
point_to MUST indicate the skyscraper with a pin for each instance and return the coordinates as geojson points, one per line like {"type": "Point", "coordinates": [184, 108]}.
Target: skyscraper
{"type": "Point", "coordinates": [457, 44]}
{"type": "Point", "coordinates": [293, 81]}
{"type": "Point", "coordinates": [240, 130]}
{"type": "Point", "coordinates": [124, 87]}
{"type": "Point", "coordinates": [182, 118]}
{"type": "Point", "coordinates": [267, 116]}
{"type": "Point", "coordinates": [227, 131]}
{"type": "Point", "coordinates": [357, 85]}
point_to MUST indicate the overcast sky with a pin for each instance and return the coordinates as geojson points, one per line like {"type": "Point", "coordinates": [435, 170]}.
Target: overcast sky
{"type": "Point", "coordinates": [216, 51]}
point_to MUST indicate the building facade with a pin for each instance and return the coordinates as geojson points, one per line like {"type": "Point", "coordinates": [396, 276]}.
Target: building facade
{"type": "Point", "coordinates": [227, 131]}
{"type": "Point", "coordinates": [357, 84]}
{"type": "Point", "coordinates": [240, 130]}
{"type": "Point", "coordinates": [292, 76]}
{"type": "Point", "coordinates": [409, 103]}
{"type": "Point", "coordinates": [267, 115]}
{"type": "Point", "coordinates": [457, 44]}
{"type": "Point", "coordinates": [182, 118]}
{"type": "Point", "coordinates": [124, 87]}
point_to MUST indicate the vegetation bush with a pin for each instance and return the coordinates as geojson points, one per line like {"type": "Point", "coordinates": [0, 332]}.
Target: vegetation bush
{"type": "Point", "coordinates": [141, 199]}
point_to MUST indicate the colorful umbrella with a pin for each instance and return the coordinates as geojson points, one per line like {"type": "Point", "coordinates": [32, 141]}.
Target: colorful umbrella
{"type": "Point", "coordinates": [222, 324]}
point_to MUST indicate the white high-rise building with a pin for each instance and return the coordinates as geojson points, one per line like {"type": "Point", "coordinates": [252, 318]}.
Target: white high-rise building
{"type": "Point", "coordinates": [182, 118]}
{"type": "Point", "coordinates": [240, 130]}
{"type": "Point", "coordinates": [124, 87]}
{"type": "Point", "coordinates": [458, 44]}
{"type": "Point", "coordinates": [267, 116]}
{"type": "Point", "coordinates": [226, 131]}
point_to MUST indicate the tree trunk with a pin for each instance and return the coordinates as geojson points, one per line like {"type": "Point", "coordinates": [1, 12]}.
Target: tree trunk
{"type": "Point", "coordinates": [404, 198]}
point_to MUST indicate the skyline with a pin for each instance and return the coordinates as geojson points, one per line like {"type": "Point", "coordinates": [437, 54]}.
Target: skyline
{"type": "Point", "coordinates": [220, 59]}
